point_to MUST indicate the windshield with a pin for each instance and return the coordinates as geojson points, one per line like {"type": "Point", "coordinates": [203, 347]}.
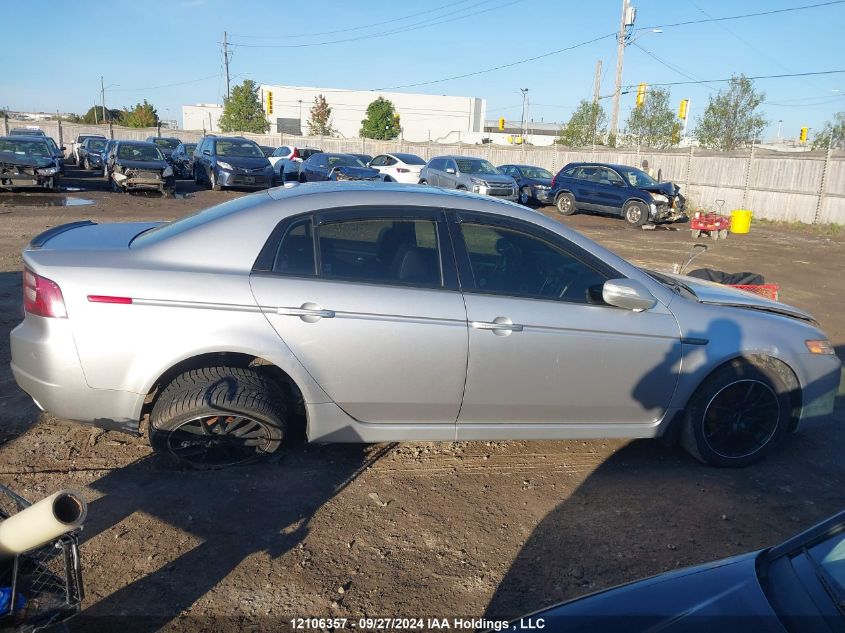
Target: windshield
{"type": "Point", "coordinates": [410, 159]}
{"type": "Point", "coordinates": [637, 178]}
{"type": "Point", "coordinates": [475, 166]}
{"type": "Point", "coordinates": [190, 147]}
{"type": "Point", "coordinates": [239, 148]}
{"type": "Point", "coordinates": [96, 146]}
{"type": "Point", "coordinates": [167, 143]}
{"type": "Point", "coordinates": [830, 556]}
{"type": "Point", "coordinates": [344, 161]}
{"type": "Point", "coordinates": [534, 172]}
{"type": "Point", "coordinates": [25, 148]}
{"type": "Point", "coordinates": [139, 152]}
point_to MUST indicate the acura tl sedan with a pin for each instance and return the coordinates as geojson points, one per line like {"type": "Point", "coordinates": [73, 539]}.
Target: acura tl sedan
{"type": "Point", "coordinates": [397, 312]}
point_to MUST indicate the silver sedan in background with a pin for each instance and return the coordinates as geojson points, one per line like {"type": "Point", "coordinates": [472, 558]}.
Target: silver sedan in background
{"type": "Point", "coordinates": [371, 312]}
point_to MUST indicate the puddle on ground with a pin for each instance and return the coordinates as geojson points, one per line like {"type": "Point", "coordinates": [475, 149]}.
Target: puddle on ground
{"type": "Point", "coordinates": [42, 201]}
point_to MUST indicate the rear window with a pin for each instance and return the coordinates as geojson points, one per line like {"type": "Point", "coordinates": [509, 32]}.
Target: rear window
{"type": "Point", "coordinates": [189, 222]}
{"type": "Point", "coordinates": [410, 159]}
{"type": "Point", "coordinates": [167, 143]}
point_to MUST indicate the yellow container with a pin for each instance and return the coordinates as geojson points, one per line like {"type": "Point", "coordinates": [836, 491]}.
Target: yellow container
{"type": "Point", "coordinates": [740, 221]}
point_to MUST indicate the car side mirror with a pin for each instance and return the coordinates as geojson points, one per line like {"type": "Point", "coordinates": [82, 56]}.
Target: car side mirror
{"type": "Point", "coordinates": [628, 294]}
{"type": "Point", "coordinates": [450, 170]}
{"type": "Point", "coordinates": [63, 148]}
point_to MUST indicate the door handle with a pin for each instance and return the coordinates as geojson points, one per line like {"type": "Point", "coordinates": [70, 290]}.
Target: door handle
{"type": "Point", "coordinates": [500, 325]}
{"type": "Point", "coordinates": [308, 312]}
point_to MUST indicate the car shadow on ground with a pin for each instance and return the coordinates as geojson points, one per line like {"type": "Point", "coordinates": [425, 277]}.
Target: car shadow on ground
{"type": "Point", "coordinates": [225, 515]}
{"type": "Point", "coordinates": [597, 535]}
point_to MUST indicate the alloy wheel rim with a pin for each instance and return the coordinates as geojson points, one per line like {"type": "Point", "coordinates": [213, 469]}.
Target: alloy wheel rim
{"type": "Point", "coordinates": [564, 204]}
{"type": "Point", "coordinates": [741, 418]}
{"type": "Point", "coordinates": [219, 440]}
{"type": "Point", "coordinates": [633, 214]}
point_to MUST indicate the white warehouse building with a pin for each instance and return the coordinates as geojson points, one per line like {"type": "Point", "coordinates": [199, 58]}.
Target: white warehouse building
{"type": "Point", "coordinates": [422, 117]}
{"type": "Point", "coordinates": [202, 116]}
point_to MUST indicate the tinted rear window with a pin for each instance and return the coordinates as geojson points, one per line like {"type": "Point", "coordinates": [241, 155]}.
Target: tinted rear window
{"type": "Point", "coordinates": [410, 159]}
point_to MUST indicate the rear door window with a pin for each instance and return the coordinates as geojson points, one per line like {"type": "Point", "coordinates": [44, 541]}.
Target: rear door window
{"type": "Point", "coordinates": [295, 255]}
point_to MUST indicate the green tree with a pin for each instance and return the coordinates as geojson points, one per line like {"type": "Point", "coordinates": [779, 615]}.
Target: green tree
{"type": "Point", "coordinates": [731, 119]}
{"type": "Point", "coordinates": [90, 116]}
{"type": "Point", "coordinates": [242, 112]}
{"type": "Point", "coordinates": [653, 123]}
{"type": "Point", "coordinates": [142, 115]}
{"type": "Point", "coordinates": [382, 122]}
{"type": "Point", "coordinates": [832, 134]}
{"type": "Point", "coordinates": [586, 126]}
{"type": "Point", "coordinates": [320, 122]}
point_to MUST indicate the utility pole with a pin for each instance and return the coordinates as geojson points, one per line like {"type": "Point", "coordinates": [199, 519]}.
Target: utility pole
{"type": "Point", "coordinates": [226, 60]}
{"type": "Point", "coordinates": [626, 20]}
{"type": "Point", "coordinates": [597, 84]}
{"type": "Point", "coordinates": [103, 96]}
{"type": "Point", "coordinates": [524, 92]}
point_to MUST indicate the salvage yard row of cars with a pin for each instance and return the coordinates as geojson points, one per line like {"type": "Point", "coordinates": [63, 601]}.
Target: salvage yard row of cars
{"type": "Point", "coordinates": [221, 161]}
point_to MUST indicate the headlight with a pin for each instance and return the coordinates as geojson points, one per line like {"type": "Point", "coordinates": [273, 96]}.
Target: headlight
{"type": "Point", "coordinates": [658, 197]}
{"type": "Point", "coordinates": [224, 165]}
{"type": "Point", "coordinates": [168, 172]}
{"type": "Point", "coordinates": [820, 346]}
{"type": "Point", "coordinates": [542, 187]}
{"type": "Point", "coordinates": [48, 171]}
{"type": "Point", "coordinates": [120, 177]}
{"type": "Point", "coordinates": [477, 181]}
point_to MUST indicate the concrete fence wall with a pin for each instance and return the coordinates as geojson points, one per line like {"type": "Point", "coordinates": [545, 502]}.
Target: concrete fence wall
{"type": "Point", "coordinates": [806, 187]}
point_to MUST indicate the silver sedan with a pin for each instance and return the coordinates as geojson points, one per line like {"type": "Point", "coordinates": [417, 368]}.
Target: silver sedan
{"type": "Point", "coordinates": [371, 312]}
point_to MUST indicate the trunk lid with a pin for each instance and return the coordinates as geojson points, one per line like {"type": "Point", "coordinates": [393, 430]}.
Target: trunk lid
{"type": "Point", "coordinates": [89, 236]}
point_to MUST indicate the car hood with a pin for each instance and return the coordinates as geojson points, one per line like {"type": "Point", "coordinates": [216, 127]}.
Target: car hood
{"type": "Point", "coordinates": [666, 188]}
{"type": "Point", "coordinates": [720, 294]}
{"type": "Point", "coordinates": [141, 164]}
{"type": "Point", "coordinates": [10, 158]}
{"type": "Point", "coordinates": [493, 179]}
{"type": "Point", "coordinates": [725, 595]}
{"type": "Point", "coordinates": [245, 162]}
{"type": "Point", "coordinates": [357, 172]}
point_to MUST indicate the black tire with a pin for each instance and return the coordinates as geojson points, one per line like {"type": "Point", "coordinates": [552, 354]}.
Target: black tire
{"type": "Point", "coordinates": [635, 213]}
{"type": "Point", "coordinates": [86, 164]}
{"type": "Point", "coordinates": [186, 420]}
{"type": "Point", "coordinates": [302, 178]}
{"type": "Point", "coordinates": [116, 188]}
{"type": "Point", "coordinates": [212, 181]}
{"type": "Point", "coordinates": [525, 196]}
{"type": "Point", "coordinates": [423, 182]}
{"type": "Point", "coordinates": [737, 415]}
{"type": "Point", "coordinates": [461, 188]}
{"type": "Point", "coordinates": [565, 203]}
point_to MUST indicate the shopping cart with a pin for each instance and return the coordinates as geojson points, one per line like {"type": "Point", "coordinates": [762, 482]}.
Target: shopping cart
{"type": "Point", "coordinates": [44, 586]}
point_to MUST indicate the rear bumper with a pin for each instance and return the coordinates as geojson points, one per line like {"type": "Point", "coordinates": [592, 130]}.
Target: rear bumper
{"type": "Point", "coordinates": [45, 365]}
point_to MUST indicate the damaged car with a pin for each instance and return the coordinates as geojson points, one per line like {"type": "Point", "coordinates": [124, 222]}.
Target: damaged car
{"type": "Point", "coordinates": [166, 144]}
{"type": "Point", "coordinates": [617, 190]}
{"type": "Point", "coordinates": [27, 161]}
{"type": "Point", "coordinates": [137, 166]}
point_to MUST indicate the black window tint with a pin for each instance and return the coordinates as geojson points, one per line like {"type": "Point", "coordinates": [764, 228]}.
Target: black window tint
{"type": "Point", "coordinates": [381, 251]}
{"type": "Point", "coordinates": [378, 161]}
{"type": "Point", "coordinates": [505, 261]}
{"type": "Point", "coordinates": [296, 251]}
{"type": "Point", "coordinates": [388, 161]}
{"type": "Point", "coordinates": [437, 163]}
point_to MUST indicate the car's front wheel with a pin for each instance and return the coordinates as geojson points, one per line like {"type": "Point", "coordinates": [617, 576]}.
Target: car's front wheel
{"type": "Point", "coordinates": [218, 416]}
{"type": "Point", "coordinates": [212, 180]}
{"type": "Point", "coordinates": [635, 214]}
{"type": "Point", "coordinates": [525, 196]}
{"type": "Point", "coordinates": [737, 415]}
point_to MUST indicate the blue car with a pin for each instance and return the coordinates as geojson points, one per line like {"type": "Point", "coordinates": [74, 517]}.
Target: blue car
{"type": "Point", "coordinates": [326, 166]}
{"type": "Point", "coordinates": [231, 161]}
{"type": "Point", "coordinates": [534, 183]}
{"type": "Point", "coordinates": [617, 190]}
{"type": "Point", "coordinates": [795, 587]}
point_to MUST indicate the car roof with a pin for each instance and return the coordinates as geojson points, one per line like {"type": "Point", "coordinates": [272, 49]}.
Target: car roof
{"type": "Point", "coordinates": [525, 165]}
{"type": "Point", "coordinates": [457, 156]}
{"type": "Point", "coordinates": [144, 143]}
{"type": "Point", "coordinates": [25, 137]}
{"type": "Point", "coordinates": [616, 166]}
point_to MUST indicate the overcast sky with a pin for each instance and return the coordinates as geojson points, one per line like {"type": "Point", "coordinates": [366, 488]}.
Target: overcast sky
{"type": "Point", "coordinates": [169, 52]}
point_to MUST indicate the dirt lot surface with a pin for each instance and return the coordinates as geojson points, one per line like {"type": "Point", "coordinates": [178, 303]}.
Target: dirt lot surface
{"type": "Point", "coordinates": [426, 529]}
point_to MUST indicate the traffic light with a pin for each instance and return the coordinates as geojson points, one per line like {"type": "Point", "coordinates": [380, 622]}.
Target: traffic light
{"type": "Point", "coordinates": [501, 124]}
{"type": "Point", "coordinates": [641, 95]}
{"type": "Point", "coordinates": [803, 136]}
{"type": "Point", "coordinates": [269, 102]}
{"type": "Point", "coordinates": [682, 110]}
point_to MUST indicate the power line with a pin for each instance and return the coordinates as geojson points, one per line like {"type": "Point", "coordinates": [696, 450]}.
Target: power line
{"type": "Point", "coordinates": [500, 67]}
{"type": "Point", "coordinates": [670, 66]}
{"type": "Point", "coordinates": [706, 81]}
{"type": "Point", "coordinates": [410, 27]}
{"type": "Point", "coordinates": [746, 15]}
{"type": "Point", "coordinates": [181, 83]}
{"type": "Point", "coordinates": [448, 5]}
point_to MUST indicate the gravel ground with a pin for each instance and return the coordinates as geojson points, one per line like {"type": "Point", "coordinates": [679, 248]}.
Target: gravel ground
{"type": "Point", "coordinates": [493, 529]}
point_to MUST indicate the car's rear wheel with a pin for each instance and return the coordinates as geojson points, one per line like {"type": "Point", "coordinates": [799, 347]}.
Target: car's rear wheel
{"type": "Point", "coordinates": [218, 416]}
{"type": "Point", "coordinates": [423, 182]}
{"type": "Point", "coordinates": [737, 415]}
{"type": "Point", "coordinates": [565, 203]}
{"type": "Point", "coordinates": [635, 214]}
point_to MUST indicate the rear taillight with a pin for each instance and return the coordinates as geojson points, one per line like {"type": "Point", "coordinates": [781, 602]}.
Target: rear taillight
{"type": "Point", "coordinates": [553, 180]}
{"type": "Point", "coordinates": [402, 170]}
{"type": "Point", "coordinates": [294, 155]}
{"type": "Point", "coordinates": [42, 297]}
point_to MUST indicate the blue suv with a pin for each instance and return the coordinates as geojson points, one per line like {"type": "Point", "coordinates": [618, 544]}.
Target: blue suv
{"type": "Point", "coordinates": [231, 161]}
{"type": "Point", "coordinates": [617, 190]}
